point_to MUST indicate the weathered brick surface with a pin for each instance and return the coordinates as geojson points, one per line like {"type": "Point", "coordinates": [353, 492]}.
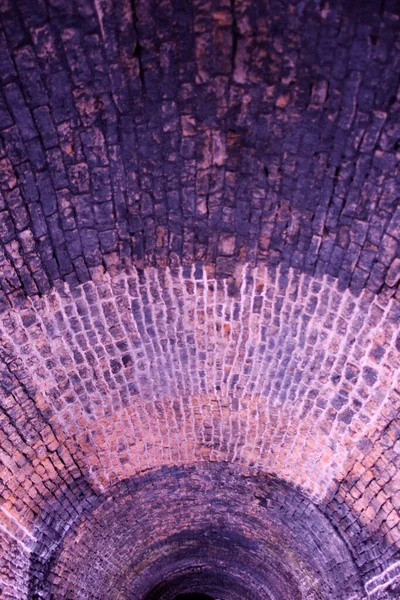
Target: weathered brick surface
{"type": "Point", "coordinates": [367, 500]}
{"type": "Point", "coordinates": [272, 370]}
{"type": "Point", "coordinates": [219, 132]}
{"type": "Point", "coordinates": [199, 263]}
{"type": "Point", "coordinates": [14, 563]}
{"type": "Point", "coordinates": [270, 541]}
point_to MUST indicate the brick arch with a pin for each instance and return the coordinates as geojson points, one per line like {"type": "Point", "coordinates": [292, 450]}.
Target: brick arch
{"type": "Point", "coordinates": [199, 259]}
{"type": "Point", "coordinates": [195, 527]}
{"type": "Point", "coordinates": [156, 357]}
{"type": "Point", "coordinates": [274, 371]}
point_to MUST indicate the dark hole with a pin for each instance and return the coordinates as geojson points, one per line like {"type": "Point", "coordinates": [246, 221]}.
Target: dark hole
{"type": "Point", "coordinates": [193, 597]}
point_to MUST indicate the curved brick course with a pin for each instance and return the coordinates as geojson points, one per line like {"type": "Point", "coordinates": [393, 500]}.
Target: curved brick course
{"type": "Point", "coordinates": [199, 272]}
{"type": "Point", "coordinates": [164, 135]}
{"type": "Point", "coordinates": [260, 534]}
{"type": "Point", "coordinates": [138, 370]}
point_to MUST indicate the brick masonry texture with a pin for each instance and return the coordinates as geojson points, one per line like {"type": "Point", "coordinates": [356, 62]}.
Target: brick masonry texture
{"type": "Point", "coordinates": [199, 299]}
{"type": "Point", "coordinates": [214, 131]}
{"type": "Point", "coordinates": [278, 538]}
{"type": "Point", "coordinates": [272, 370]}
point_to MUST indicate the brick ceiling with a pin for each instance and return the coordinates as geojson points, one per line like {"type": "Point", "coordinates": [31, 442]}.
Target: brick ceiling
{"type": "Point", "coordinates": [199, 299]}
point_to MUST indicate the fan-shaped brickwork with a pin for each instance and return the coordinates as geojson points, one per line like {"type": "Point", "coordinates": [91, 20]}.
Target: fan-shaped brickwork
{"type": "Point", "coordinates": [203, 526]}
{"type": "Point", "coordinates": [199, 311]}
{"type": "Point", "coordinates": [163, 132]}
{"type": "Point", "coordinates": [285, 375]}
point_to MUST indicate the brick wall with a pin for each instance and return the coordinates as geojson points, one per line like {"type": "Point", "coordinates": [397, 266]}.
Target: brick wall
{"type": "Point", "coordinates": [214, 521]}
{"type": "Point", "coordinates": [199, 265]}
{"type": "Point", "coordinates": [273, 370]}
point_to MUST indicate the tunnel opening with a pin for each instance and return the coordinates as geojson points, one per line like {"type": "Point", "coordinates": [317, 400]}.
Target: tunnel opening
{"type": "Point", "coordinates": [193, 596]}
{"type": "Point", "coordinates": [248, 548]}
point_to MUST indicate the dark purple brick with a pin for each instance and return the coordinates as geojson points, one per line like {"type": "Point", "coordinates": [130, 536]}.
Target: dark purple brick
{"type": "Point", "coordinates": [20, 112]}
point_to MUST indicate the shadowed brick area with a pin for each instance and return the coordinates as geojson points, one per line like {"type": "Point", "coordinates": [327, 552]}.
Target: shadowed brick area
{"type": "Point", "coordinates": [168, 132]}
{"type": "Point", "coordinates": [195, 528]}
{"type": "Point", "coordinates": [199, 299]}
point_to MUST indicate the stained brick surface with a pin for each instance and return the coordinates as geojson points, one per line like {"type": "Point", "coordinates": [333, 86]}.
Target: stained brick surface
{"type": "Point", "coordinates": [272, 540]}
{"type": "Point", "coordinates": [199, 274]}
{"type": "Point", "coordinates": [130, 372]}
{"type": "Point", "coordinates": [214, 132]}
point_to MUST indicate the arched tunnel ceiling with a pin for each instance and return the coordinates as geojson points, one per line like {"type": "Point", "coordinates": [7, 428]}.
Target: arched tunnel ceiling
{"type": "Point", "coordinates": [199, 269]}
{"type": "Point", "coordinates": [260, 536]}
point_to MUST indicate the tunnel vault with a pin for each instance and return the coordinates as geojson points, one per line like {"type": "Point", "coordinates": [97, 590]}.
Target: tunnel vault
{"type": "Point", "coordinates": [211, 527]}
{"type": "Point", "coordinates": [199, 299]}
